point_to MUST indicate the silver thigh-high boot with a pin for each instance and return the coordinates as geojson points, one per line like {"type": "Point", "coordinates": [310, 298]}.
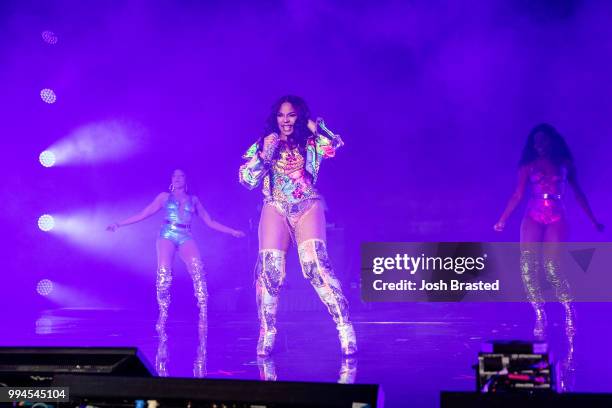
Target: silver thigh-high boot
{"type": "Point", "coordinates": [530, 263]}
{"type": "Point", "coordinates": [267, 368]}
{"type": "Point", "coordinates": [348, 370]}
{"type": "Point", "coordinates": [200, 291]}
{"type": "Point", "coordinates": [199, 364]}
{"type": "Point", "coordinates": [161, 357]}
{"type": "Point", "coordinates": [164, 280]}
{"type": "Point", "coordinates": [557, 279]}
{"type": "Point", "coordinates": [270, 275]}
{"type": "Point", "coordinates": [317, 269]}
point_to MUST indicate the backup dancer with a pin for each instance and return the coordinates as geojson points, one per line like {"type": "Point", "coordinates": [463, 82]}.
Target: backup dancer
{"type": "Point", "coordinates": [546, 167]}
{"type": "Point", "coordinates": [180, 209]}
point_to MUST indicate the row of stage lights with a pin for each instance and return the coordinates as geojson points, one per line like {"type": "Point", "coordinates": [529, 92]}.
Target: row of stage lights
{"type": "Point", "coordinates": [47, 159]}
{"type": "Point", "coordinates": [101, 141]}
{"type": "Point", "coordinates": [105, 140]}
{"type": "Point", "coordinates": [47, 94]}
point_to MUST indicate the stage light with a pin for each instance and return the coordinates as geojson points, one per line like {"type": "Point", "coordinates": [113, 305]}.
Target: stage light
{"type": "Point", "coordinates": [48, 95]}
{"type": "Point", "coordinates": [49, 37]}
{"type": "Point", "coordinates": [46, 222]}
{"type": "Point", "coordinates": [44, 287]}
{"type": "Point", "coordinates": [47, 158]}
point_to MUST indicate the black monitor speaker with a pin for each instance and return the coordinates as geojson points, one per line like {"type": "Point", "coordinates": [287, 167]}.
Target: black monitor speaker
{"type": "Point", "coordinates": [23, 366]}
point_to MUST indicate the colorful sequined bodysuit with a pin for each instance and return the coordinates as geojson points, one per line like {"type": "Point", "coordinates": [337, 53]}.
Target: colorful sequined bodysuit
{"type": "Point", "coordinates": [177, 224]}
{"type": "Point", "coordinates": [289, 182]}
{"type": "Point", "coordinates": [289, 178]}
{"type": "Point", "coordinates": [545, 204]}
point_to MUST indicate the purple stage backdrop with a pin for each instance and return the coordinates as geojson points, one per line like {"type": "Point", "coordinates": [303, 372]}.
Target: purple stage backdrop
{"type": "Point", "coordinates": [433, 99]}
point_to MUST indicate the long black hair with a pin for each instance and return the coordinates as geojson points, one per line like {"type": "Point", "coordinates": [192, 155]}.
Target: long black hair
{"type": "Point", "coordinates": [559, 151]}
{"type": "Point", "coordinates": [301, 133]}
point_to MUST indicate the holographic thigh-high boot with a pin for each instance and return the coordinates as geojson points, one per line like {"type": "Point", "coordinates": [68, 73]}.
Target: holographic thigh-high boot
{"type": "Point", "coordinates": [348, 370]}
{"type": "Point", "coordinates": [317, 269]}
{"type": "Point", "coordinates": [200, 290]}
{"type": "Point", "coordinates": [270, 275]}
{"type": "Point", "coordinates": [530, 262]}
{"type": "Point", "coordinates": [557, 279]}
{"type": "Point", "coordinates": [164, 281]}
{"type": "Point", "coordinates": [199, 364]}
{"type": "Point", "coordinates": [161, 357]}
{"type": "Point", "coordinates": [267, 368]}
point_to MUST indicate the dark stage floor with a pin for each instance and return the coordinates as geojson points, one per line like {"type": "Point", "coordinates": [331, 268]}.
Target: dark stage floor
{"type": "Point", "coordinates": [413, 350]}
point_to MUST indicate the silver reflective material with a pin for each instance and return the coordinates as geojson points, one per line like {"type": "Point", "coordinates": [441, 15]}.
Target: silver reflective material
{"type": "Point", "coordinates": [317, 268]}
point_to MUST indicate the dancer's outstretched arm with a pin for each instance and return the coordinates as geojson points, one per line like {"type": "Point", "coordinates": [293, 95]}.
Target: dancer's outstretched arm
{"type": "Point", "coordinates": [148, 211]}
{"type": "Point", "coordinates": [516, 198]}
{"type": "Point", "coordinates": [214, 224]}
{"type": "Point", "coordinates": [582, 199]}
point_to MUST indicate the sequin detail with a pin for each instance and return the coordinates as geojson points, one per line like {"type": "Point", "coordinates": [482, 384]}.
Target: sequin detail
{"type": "Point", "coordinates": [530, 265]}
{"type": "Point", "coordinates": [290, 175]}
{"type": "Point", "coordinates": [164, 281]}
{"type": "Point", "coordinates": [317, 268]}
{"type": "Point", "coordinates": [177, 227]}
{"type": "Point", "coordinates": [177, 213]}
{"type": "Point", "coordinates": [545, 204]}
{"type": "Point", "coordinates": [559, 282]}
{"type": "Point", "coordinates": [270, 275]}
{"type": "Point", "coordinates": [267, 369]}
{"type": "Point", "coordinates": [293, 214]}
{"type": "Point", "coordinates": [162, 357]}
{"type": "Point", "coordinates": [200, 290]}
{"type": "Point", "coordinates": [163, 284]}
{"type": "Point", "coordinates": [178, 235]}
{"type": "Point", "coordinates": [348, 371]}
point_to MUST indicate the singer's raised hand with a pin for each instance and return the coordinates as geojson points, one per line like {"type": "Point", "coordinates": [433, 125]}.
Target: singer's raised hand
{"type": "Point", "coordinates": [270, 143]}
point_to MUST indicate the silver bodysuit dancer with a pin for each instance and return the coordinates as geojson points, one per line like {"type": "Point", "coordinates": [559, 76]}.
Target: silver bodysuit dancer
{"type": "Point", "coordinates": [177, 229]}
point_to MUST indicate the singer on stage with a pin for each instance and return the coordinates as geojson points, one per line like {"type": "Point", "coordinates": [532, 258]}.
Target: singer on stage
{"type": "Point", "coordinates": [286, 160]}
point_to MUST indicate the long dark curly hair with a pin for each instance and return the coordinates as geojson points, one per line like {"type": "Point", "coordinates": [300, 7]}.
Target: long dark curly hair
{"type": "Point", "coordinates": [301, 133]}
{"type": "Point", "coordinates": [559, 151]}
